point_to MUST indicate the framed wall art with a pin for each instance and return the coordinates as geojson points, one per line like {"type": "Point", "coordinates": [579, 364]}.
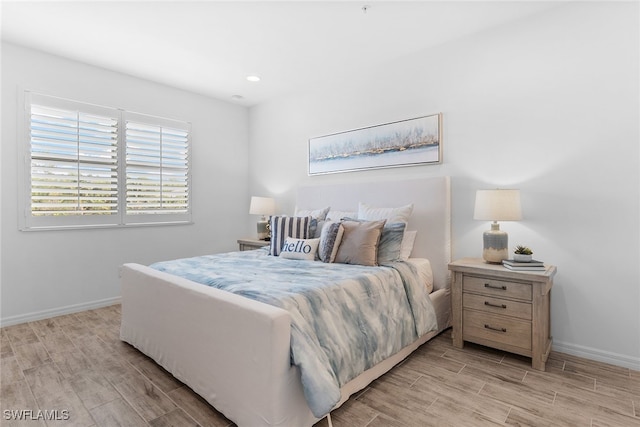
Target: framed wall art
{"type": "Point", "coordinates": [409, 142]}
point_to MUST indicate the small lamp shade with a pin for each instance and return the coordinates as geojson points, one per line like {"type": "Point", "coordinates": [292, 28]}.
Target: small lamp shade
{"type": "Point", "coordinates": [262, 206]}
{"type": "Point", "coordinates": [497, 205]}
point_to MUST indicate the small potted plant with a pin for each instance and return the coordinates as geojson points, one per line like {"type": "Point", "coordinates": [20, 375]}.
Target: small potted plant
{"type": "Point", "coordinates": [522, 254]}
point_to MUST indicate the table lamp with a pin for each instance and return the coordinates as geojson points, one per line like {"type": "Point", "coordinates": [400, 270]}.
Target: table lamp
{"type": "Point", "coordinates": [497, 205]}
{"type": "Point", "coordinates": [262, 206]}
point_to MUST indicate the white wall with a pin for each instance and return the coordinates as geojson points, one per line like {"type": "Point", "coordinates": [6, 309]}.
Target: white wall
{"type": "Point", "coordinates": [549, 105]}
{"type": "Point", "coordinates": [49, 272]}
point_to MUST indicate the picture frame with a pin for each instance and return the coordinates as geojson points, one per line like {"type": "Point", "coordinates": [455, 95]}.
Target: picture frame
{"type": "Point", "coordinates": [410, 142]}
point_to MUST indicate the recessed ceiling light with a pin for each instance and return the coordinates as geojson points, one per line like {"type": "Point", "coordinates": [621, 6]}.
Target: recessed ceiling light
{"type": "Point", "coordinates": [253, 78]}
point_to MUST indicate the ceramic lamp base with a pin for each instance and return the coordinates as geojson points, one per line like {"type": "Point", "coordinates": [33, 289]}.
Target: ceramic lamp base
{"type": "Point", "coordinates": [263, 230]}
{"type": "Point", "coordinates": [496, 245]}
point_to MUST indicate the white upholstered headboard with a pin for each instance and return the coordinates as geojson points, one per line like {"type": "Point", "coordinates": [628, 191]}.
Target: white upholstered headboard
{"type": "Point", "coordinates": [431, 211]}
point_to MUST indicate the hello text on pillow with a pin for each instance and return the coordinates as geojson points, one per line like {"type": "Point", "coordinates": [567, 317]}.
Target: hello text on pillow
{"type": "Point", "coordinates": [299, 248]}
{"type": "Point", "coordinates": [287, 226]}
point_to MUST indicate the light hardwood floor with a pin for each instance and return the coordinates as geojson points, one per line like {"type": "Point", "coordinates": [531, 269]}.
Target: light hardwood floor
{"type": "Point", "coordinates": [77, 363]}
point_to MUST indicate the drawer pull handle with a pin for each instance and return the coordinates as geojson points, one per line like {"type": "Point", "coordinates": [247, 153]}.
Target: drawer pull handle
{"type": "Point", "coordinates": [495, 305]}
{"type": "Point", "coordinates": [495, 329]}
{"type": "Point", "coordinates": [490, 286]}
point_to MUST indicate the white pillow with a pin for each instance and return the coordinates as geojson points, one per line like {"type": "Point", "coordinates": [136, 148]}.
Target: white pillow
{"type": "Point", "coordinates": [334, 215]}
{"type": "Point", "coordinates": [317, 219]}
{"type": "Point", "coordinates": [299, 248]}
{"type": "Point", "coordinates": [407, 244]}
{"type": "Point", "coordinates": [399, 214]}
{"type": "Point", "coordinates": [319, 214]}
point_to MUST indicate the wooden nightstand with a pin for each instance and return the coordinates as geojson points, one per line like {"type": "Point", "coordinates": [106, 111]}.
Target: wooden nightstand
{"type": "Point", "coordinates": [250, 244]}
{"type": "Point", "coordinates": [503, 309]}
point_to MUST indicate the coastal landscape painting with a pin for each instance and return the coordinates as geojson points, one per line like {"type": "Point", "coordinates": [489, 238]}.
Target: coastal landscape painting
{"type": "Point", "coordinates": [404, 143]}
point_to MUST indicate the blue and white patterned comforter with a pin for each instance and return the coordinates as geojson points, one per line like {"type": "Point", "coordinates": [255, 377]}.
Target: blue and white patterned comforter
{"type": "Point", "coordinates": [345, 318]}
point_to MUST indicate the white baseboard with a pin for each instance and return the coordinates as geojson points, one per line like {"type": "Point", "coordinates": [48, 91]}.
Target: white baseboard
{"type": "Point", "coordinates": [598, 355]}
{"type": "Point", "coordinates": [46, 314]}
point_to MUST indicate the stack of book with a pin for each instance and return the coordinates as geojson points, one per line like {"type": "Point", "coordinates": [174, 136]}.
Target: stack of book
{"type": "Point", "coordinates": [532, 265]}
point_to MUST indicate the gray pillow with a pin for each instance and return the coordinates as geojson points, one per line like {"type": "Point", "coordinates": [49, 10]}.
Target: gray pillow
{"type": "Point", "coordinates": [330, 239]}
{"type": "Point", "coordinates": [390, 245]}
{"type": "Point", "coordinates": [360, 242]}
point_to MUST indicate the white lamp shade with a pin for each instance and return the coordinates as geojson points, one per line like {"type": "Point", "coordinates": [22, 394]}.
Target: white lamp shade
{"type": "Point", "coordinates": [262, 206]}
{"type": "Point", "coordinates": [498, 205]}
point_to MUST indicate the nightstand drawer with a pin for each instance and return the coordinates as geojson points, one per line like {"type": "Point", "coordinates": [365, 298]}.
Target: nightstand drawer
{"type": "Point", "coordinates": [500, 306]}
{"type": "Point", "coordinates": [500, 329]}
{"type": "Point", "coordinates": [497, 288]}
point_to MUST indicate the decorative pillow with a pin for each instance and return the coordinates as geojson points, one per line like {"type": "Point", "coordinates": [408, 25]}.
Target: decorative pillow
{"type": "Point", "coordinates": [391, 242]}
{"type": "Point", "coordinates": [287, 226]}
{"type": "Point", "coordinates": [299, 248]}
{"type": "Point", "coordinates": [400, 214]}
{"type": "Point", "coordinates": [318, 217]}
{"type": "Point", "coordinates": [319, 214]}
{"type": "Point", "coordinates": [407, 244]}
{"type": "Point", "coordinates": [360, 243]}
{"type": "Point", "coordinates": [315, 227]}
{"type": "Point", "coordinates": [338, 215]}
{"type": "Point", "coordinates": [330, 239]}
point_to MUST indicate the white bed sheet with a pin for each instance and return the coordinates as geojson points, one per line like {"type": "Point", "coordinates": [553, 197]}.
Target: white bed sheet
{"type": "Point", "coordinates": [424, 271]}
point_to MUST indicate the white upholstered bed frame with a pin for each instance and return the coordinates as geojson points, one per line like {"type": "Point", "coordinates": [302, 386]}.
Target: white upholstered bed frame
{"type": "Point", "coordinates": [234, 351]}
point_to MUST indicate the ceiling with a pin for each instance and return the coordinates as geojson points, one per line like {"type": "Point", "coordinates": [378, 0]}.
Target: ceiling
{"type": "Point", "coordinates": [210, 47]}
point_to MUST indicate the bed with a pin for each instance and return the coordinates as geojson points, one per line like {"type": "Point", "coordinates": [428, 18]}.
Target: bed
{"type": "Point", "coordinates": [237, 352]}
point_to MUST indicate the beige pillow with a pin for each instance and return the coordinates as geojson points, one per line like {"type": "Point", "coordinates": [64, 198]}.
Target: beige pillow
{"type": "Point", "coordinates": [360, 242]}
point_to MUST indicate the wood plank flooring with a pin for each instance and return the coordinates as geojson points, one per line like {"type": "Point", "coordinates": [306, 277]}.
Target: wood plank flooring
{"type": "Point", "coordinates": [76, 369]}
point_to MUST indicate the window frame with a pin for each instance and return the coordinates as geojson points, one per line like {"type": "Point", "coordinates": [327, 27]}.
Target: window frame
{"type": "Point", "coordinates": [29, 222]}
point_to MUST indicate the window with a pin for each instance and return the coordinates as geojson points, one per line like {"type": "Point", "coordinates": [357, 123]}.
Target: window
{"type": "Point", "coordinates": [88, 165]}
{"type": "Point", "coordinates": [156, 169]}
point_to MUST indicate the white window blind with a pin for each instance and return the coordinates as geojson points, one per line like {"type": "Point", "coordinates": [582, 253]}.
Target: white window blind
{"type": "Point", "coordinates": [74, 163]}
{"type": "Point", "coordinates": [87, 165]}
{"type": "Point", "coordinates": [157, 169]}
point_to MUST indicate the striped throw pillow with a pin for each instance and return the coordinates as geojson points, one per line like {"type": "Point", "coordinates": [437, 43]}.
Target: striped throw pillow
{"type": "Point", "coordinates": [287, 226]}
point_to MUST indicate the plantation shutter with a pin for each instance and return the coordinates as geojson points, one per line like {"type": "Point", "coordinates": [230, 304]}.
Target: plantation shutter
{"type": "Point", "coordinates": [74, 164]}
{"type": "Point", "coordinates": [87, 165]}
{"type": "Point", "coordinates": [157, 165]}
